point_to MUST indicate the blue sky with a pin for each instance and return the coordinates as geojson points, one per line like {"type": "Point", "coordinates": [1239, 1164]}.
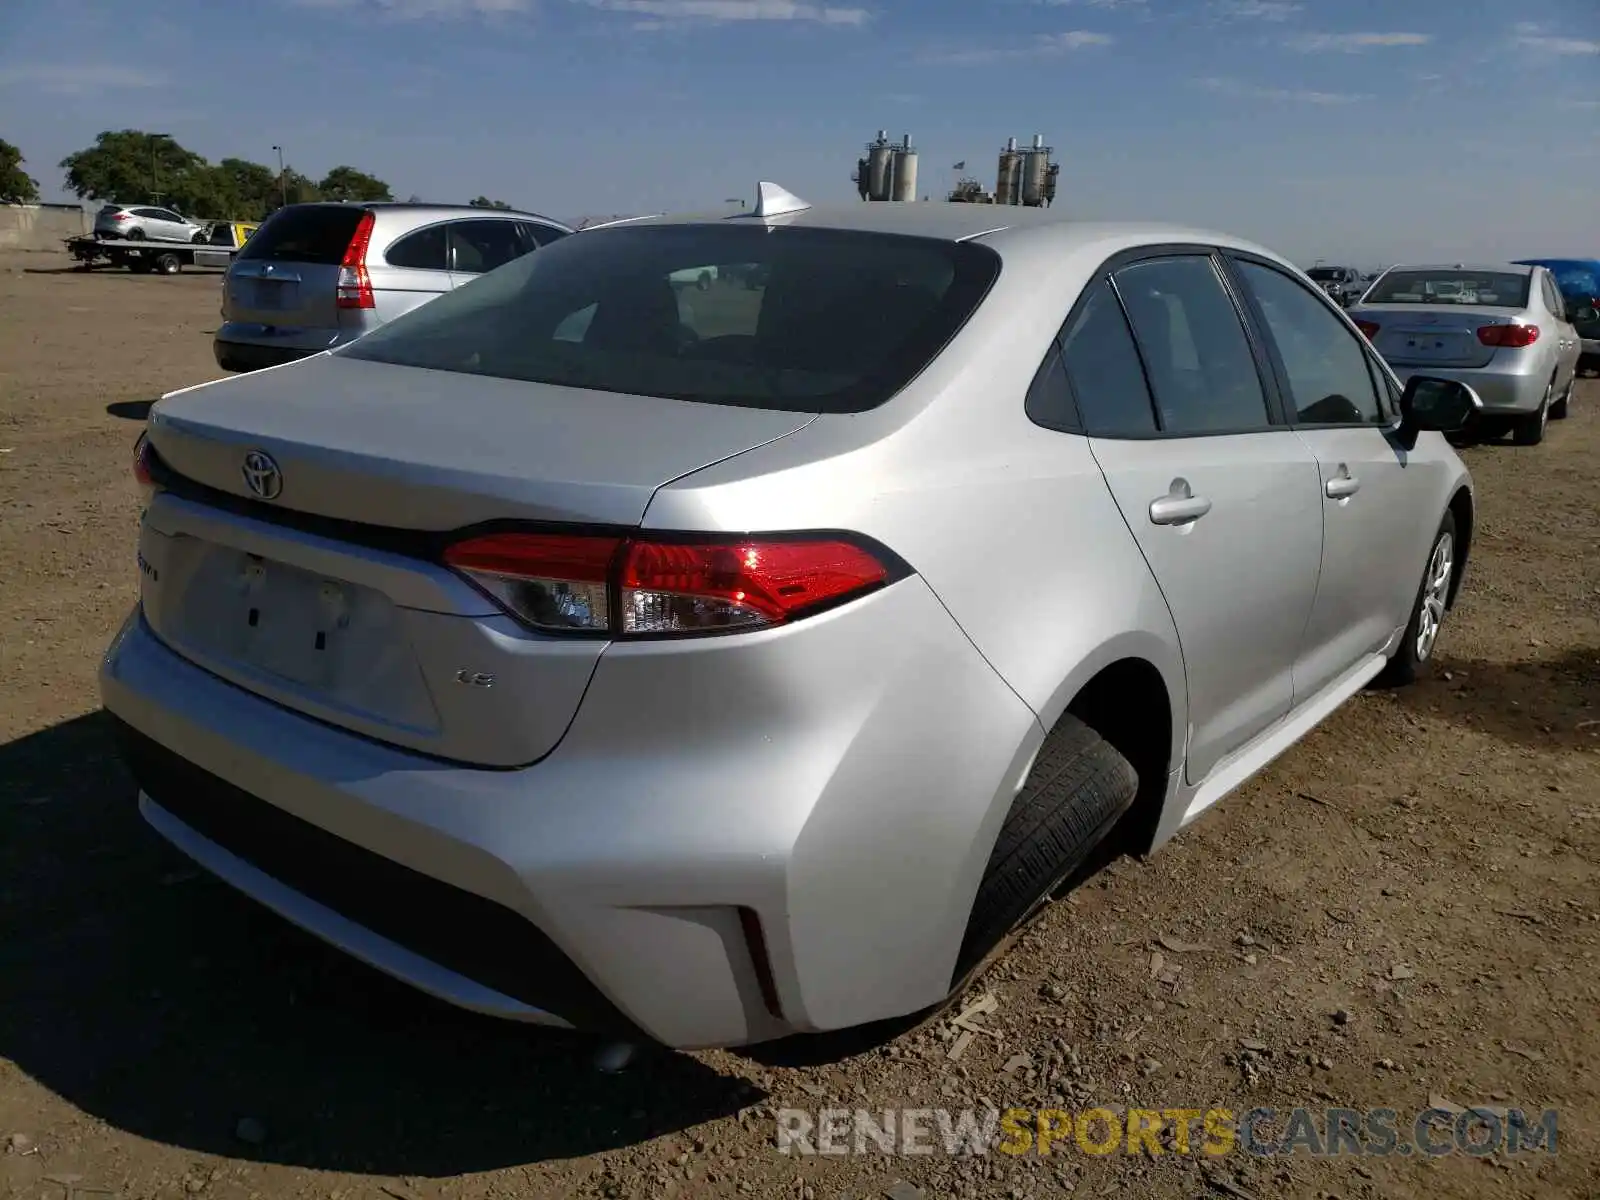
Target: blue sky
{"type": "Point", "coordinates": [1370, 130]}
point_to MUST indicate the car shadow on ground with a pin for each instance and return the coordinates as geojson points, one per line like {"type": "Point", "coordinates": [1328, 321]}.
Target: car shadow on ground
{"type": "Point", "coordinates": [158, 1000]}
{"type": "Point", "coordinates": [130, 410]}
{"type": "Point", "coordinates": [1546, 703]}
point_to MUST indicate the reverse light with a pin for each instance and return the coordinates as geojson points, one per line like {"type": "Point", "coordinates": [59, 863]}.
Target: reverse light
{"type": "Point", "coordinates": [664, 587]}
{"type": "Point", "coordinates": [354, 288]}
{"type": "Point", "coordinates": [1510, 337]}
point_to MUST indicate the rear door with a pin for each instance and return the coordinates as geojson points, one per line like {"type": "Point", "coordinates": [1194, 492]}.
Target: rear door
{"type": "Point", "coordinates": [1220, 495]}
{"type": "Point", "coordinates": [1377, 502]}
{"type": "Point", "coordinates": [286, 275]}
{"type": "Point", "coordinates": [413, 269]}
{"type": "Point", "coordinates": [479, 246]}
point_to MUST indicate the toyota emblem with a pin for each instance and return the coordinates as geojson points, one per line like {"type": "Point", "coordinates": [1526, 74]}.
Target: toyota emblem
{"type": "Point", "coordinates": [261, 475]}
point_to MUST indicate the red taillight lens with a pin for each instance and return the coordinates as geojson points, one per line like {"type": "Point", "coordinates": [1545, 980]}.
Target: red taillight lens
{"type": "Point", "coordinates": [639, 587]}
{"type": "Point", "coordinates": [556, 583]}
{"type": "Point", "coordinates": [119, 216]}
{"type": "Point", "coordinates": [1369, 329]}
{"type": "Point", "coordinates": [143, 452]}
{"type": "Point", "coordinates": [1512, 337]}
{"type": "Point", "coordinates": [354, 289]}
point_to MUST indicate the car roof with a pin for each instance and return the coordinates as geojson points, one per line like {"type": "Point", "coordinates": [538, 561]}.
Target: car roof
{"type": "Point", "coordinates": [1009, 227]}
{"type": "Point", "coordinates": [415, 207]}
{"type": "Point", "coordinates": [1591, 263]}
{"type": "Point", "coordinates": [1505, 268]}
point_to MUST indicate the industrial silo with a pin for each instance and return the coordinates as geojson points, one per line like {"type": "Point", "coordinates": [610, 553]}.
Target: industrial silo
{"type": "Point", "coordinates": [1008, 178]}
{"type": "Point", "coordinates": [903, 173]}
{"type": "Point", "coordinates": [1035, 172]}
{"type": "Point", "coordinates": [880, 163]}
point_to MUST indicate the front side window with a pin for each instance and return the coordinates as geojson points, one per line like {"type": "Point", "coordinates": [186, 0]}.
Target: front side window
{"type": "Point", "coordinates": [1330, 382]}
{"type": "Point", "coordinates": [1195, 350]}
{"type": "Point", "coordinates": [797, 319]}
{"type": "Point", "coordinates": [480, 246]}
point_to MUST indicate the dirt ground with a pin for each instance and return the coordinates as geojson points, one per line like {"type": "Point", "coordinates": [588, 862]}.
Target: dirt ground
{"type": "Point", "coordinates": [1402, 911]}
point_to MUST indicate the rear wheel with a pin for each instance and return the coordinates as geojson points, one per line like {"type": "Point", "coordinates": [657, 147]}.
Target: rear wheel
{"type": "Point", "coordinates": [135, 234]}
{"type": "Point", "coordinates": [1078, 789]}
{"type": "Point", "coordinates": [1529, 430]}
{"type": "Point", "coordinates": [167, 264]}
{"type": "Point", "coordinates": [1427, 614]}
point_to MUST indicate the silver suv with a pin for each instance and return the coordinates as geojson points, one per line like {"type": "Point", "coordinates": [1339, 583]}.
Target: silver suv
{"type": "Point", "coordinates": [316, 276]}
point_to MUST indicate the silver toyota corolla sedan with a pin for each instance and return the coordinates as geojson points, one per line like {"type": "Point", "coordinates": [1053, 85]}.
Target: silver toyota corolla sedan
{"type": "Point", "coordinates": [705, 666]}
{"type": "Point", "coordinates": [1501, 329]}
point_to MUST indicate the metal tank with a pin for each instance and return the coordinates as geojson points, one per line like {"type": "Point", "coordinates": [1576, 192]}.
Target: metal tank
{"type": "Point", "coordinates": [903, 172]}
{"type": "Point", "coordinates": [1008, 178]}
{"type": "Point", "coordinates": [1050, 184]}
{"type": "Point", "coordinates": [1035, 170]}
{"type": "Point", "coordinates": [880, 163]}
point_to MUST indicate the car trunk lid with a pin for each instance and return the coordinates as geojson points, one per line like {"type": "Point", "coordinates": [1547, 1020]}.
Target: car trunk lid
{"type": "Point", "coordinates": [1411, 335]}
{"type": "Point", "coordinates": [287, 275]}
{"type": "Point", "coordinates": [330, 598]}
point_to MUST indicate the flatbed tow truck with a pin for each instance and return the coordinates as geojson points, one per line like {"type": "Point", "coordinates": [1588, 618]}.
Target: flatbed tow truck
{"type": "Point", "coordinates": [162, 258]}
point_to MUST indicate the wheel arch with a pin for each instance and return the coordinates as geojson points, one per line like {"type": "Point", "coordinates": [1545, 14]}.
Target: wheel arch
{"type": "Point", "coordinates": [1461, 508]}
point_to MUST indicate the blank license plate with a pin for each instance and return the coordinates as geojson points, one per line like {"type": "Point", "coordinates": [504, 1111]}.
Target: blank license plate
{"type": "Point", "coordinates": [290, 623]}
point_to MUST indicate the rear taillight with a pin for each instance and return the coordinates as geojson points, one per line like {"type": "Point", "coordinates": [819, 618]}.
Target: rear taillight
{"type": "Point", "coordinates": [354, 289]}
{"type": "Point", "coordinates": [144, 466]}
{"type": "Point", "coordinates": [663, 587]}
{"type": "Point", "coordinates": [1369, 329]}
{"type": "Point", "coordinates": [1511, 337]}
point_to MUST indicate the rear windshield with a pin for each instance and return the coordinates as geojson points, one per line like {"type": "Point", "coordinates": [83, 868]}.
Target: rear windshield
{"type": "Point", "coordinates": [313, 233]}
{"type": "Point", "coordinates": [1492, 289]}
{"type": "Point", "coordinates": [802, 320]}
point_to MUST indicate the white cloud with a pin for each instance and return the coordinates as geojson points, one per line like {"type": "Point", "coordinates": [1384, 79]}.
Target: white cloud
{"type": "Point", "coordinates": [1106, 4]}
{"type": "Point", "coordinates": [1354, 43]}
{"type": "Point", "coordinates": [81, 79]}
{"type": "Point", "coordinates": [417, 10]}
{"type": "Point", "coordinates": [1246, 91]}
{"type": "Point", "coordinates": [1532, 37]}
{"type": "Point", "coordinates": [654, 13]}
{"type": "Point", "coordinates": [1256, 10]}
{"type": "Point", "coordinates": [1046, 45]}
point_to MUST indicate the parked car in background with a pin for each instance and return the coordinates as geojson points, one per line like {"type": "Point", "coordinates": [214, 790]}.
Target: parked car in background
{"type": "Point", "coordinates": [1502, 329]}
{"type": "Point", "coordinates": [316, 276]}
{"type": "Point", "coordinates": [1579, 281]}
{"type": "Point", "coordinates": [1343, 284]}
{"type": "Point", "coordinates": [222, 240]}
{"type": "Point", "coordinates": [146, 223]}
{"type": "Point", "coordinates": [752, 662]}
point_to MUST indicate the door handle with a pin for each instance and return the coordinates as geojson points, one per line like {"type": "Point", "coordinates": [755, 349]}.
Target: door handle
{"type": "Point", "coordinates": [1178, 510]}
{"type": "Point", "coordinates": [1342, 487]}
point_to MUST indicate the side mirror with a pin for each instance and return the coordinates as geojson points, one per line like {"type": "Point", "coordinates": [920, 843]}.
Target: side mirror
{"type": "Point", "coordinates": [1436, 405]}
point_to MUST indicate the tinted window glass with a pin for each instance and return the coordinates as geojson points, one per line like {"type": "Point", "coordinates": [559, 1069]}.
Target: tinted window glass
{"type": "Point", "coordinates": [1195, 350]}
{"type": "Point", "coordinates": [542, 235]}
{"type": "Point", "coordinates": [1103, 368]}
{"type": "Point", "coordinates": [313, 233]}
{"type": "Point", "coordinates": [479, 246]}
{"type": "Point", "coordinates": [1451, 285]}
{"type": "Point", "coordinates": [1049, 400]}
{"type": "Point", "coordinates": [838, 322]}
{"type": "Point", "coordinates": [1329, 380]}
{"type": "Point", "coordinates": [423, 250]}
{"type": "Point", "coordinates": [1552, 297]}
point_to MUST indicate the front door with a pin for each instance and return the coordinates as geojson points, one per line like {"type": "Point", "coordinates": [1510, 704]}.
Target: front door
{"type": "Point", "coordinates": [1222, 500]}
{"type": "Point", "coordinates": [1376, 524]}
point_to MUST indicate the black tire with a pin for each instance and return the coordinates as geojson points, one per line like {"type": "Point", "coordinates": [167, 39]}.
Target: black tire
{"type": "Point", "coordinates": [1558, 410]}
{"type": "Point", "coordinates": [1529, 430]}
{"type": "Point", "coordinates": [134, 235]}
{"type": "Point", "coordinates": [1077, 791]}
{"type": "Point", "coordinates": [1408, 662]}
{"type": "Point", "coordinates": [167, 263]}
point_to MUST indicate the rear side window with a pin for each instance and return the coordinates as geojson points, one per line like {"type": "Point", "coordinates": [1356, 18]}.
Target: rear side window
{"type": "Point", "coordinates": [795, 319]}
{"type": "Point", "coordinates": [1104, 370]}
{"type": "Point", "coordinates": [314, 233]}
{"type": "Point", "coordinates": [424, 250]}
{"type": "Point", "coordinates": [1199, 361]}
{"type": "Point", "coordinates": [479, 246]}
{"type": "Point", "coordinates": [542, 235]}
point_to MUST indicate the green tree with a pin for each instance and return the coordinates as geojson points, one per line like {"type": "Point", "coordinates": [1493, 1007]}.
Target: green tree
{"type": "Point", "coordinates": [485, 202]}
{"type": "Point", "coordinates": [133, 167]}
{"type": "Point", "coordinates": [245, 190]}
{"type": "Point", "coordinates": [16, 187]}
{"type": "Point", "coordinates": [347, 183]}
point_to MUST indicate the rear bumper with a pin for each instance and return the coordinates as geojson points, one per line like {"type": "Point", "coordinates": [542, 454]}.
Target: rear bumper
{"type": "Point", "coordinates": [843, 780]}
{"type": "Point", "coordinates": [1501, 391]}
{"type": "Point", "coordinates": [247, 356]}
